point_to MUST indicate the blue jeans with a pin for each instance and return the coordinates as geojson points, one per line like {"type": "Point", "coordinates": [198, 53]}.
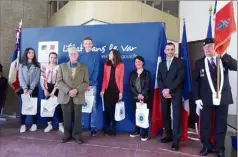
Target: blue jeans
{"type": "Point", "coordinates": [93, 114]}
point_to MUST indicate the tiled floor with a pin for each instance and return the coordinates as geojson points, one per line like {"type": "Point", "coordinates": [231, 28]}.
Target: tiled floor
{"type": "Point", "coordinates": [40, 144]}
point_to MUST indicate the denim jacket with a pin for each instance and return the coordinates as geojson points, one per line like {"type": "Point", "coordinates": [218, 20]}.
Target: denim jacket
{"type": "Point", "coordinates": [29, 78]}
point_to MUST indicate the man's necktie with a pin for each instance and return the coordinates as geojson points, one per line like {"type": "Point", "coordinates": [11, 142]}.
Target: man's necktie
{"type": "Point", "coordinates": [169, 63]}
{"type": "Point", "coordinates": [213, 63]}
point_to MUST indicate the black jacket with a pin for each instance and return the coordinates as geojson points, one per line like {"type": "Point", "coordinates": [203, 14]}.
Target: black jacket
{"type": "Point", "coordinates": [173, 79]}
{"type": "Point", "coordinates": [144, 82]}
{"type": "Point", "coordinates": [201, 87]}
{"type": "Point", "coordinates": [3, 89]}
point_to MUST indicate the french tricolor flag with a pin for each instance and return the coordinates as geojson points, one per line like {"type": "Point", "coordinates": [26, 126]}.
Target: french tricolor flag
{"type": "Point", "coordinates": [13, 72]}
{"type": "Point", "coordinates": [157, 124]}
{"type": "Point", "coordinates": [187, 85]}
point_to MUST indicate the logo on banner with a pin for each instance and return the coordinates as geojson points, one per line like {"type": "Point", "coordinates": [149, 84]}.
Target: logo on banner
{"type": "Point", "coordinates": [44, 48]}
{"type": "Point", "coordinates": [52, 47]}
{"type": "Point", "coordinates": [128, 51]}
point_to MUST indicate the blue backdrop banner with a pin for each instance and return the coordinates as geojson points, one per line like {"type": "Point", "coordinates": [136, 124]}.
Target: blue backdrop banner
{"type": "Point", "coordinates": [130, 39]}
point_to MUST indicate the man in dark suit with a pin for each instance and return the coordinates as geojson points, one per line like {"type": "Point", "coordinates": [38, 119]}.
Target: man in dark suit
{"type": "Point", "coordinates": [171, 75]}
{"type": "Point", "coordinates": [205, 83]}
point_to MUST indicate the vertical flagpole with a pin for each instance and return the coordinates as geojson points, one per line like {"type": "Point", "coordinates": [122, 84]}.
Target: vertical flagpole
{"type": "Point", "coordinates": [218, 59]}
{"type": "Point", "coordinates": [218, 74]}
{"type": "Point", "coordinates": [18, 37]}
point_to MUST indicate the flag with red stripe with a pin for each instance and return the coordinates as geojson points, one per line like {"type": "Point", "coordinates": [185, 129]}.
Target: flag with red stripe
{"type": "Point", "coordinates": [13, 72]}
{"type": "Point", "coordinates": [187, 85]}
{"type": "Point", "coordinates": [157, 123]}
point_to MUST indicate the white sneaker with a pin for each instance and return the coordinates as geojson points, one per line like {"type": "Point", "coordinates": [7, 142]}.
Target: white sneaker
{"type": "Point", "coordinates": [23, 128]}
{"type": "Point", "coordinates": [33, 127]}
{"type": "Point", "coordinates": [61, 128]}
{"type": "Point", "coordinates": [48, 128]}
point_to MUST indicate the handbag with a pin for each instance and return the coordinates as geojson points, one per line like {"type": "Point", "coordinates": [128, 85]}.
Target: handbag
{"type": "Point", "coordinates": [48, 107]}
{"type": "Point", "coordinates": [88, 105]}
{"type": "Point", "coordinates": [29, 105]}
{"type": "Point", "coordinates": [120, 111]}
{"type": "Point", "coordinates": [142, 117]}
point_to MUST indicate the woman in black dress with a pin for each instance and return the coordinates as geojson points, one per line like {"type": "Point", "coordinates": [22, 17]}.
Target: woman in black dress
{"type": "Point", "coordinates": [112, 88]}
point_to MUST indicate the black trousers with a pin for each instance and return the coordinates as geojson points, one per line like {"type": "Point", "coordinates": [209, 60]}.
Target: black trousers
{"type": "Point", "coordinates": [69, 110]}
{"type": "Point", "coordinates": [137, 129]}
{"type": "Point", "coordinates": [177, 109]}
{"type": "Point", "coordinates": [34, 117]}
{"type": "Point", "coordinates": [221, 113]}
{"type": "Point", "coordinates": [59, 112]}
{"type": "Point", "coordinates": [58, 109]}
{"type": "Point", "coordinates": [109, 119]}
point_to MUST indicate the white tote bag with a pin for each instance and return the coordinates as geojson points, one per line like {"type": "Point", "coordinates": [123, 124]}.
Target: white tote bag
{"type": "Point", "coordinates": [142, 117]}
{"type": "Point", "coordinates": [120, 111]}
{"type": "Point", "coordinates": [141, 105]}
{"type": "Point", "coordinates": [91, 92]}
{"type": "Point", "coordinates": [29, 105]}
{"type": "Point", "coordinates": [48, 107]}
{"type": "Point", "coordinates": [88, 105]}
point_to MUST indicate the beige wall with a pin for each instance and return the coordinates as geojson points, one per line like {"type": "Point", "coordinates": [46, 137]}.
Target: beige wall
{"type": "Point", "coordinates": [33, 13]}
{"type": "Point", "coordinates": [79, 12]}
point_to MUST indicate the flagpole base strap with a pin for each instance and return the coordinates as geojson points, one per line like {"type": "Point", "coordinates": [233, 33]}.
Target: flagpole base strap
{"type": "Point", "coordinates": [216, 100]}
{"type": "Point", "coordinates": [193, 139]}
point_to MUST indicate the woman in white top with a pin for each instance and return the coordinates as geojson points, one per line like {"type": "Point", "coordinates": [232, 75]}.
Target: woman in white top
{"type": "Point", "coordinates": [48, 84]}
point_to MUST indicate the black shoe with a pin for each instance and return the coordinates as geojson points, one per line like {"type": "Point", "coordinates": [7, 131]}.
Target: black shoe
{"type": "Point", "coordinates": [113, 132]}
{"type": "Point", "coordinates": [205, 151]}
{"type": "Point", "coordinates": [175, 147]}
{"type": "Point", "coordinates": [105, 132]}
{"type": "Point", "coordinates": [166, 139]}
{"type": "Point", "coordinates": [78, 141]}
{"type": "Point", "coordinates": [135, 134]}
{"type": "Point", "coordinates": [144, 137]}
{"type": "Point", "coordinates": [64, 140]}
{"type": "Point", "coordinates": [220, 154]}
{"type": "Point", "coordinates": [94, 132]}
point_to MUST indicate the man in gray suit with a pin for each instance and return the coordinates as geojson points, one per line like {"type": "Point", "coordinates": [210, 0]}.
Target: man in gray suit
{"type": "Point", "coordinates": [72, 81]}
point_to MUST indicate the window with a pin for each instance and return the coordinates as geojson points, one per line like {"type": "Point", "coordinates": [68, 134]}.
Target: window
{"type": "Point", "coordinates": [170, 7]}
{"type": "Point", "coordinates": [158, 5]}
{"type": "Point", "coordinates": [62, 3]}
{"type": "Point", "coordinates": [53, 7]}
{"type": "Point", "coordinates": [56, 5]}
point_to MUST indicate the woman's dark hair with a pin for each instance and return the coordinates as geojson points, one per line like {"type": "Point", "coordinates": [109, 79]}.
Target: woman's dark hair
{"type": "Point", "coordinates": [53, 53]}
{"type": "Point", "coordinates": [116, 57]}
{"type": "Point", "coordinates": [24, 59]}
{"type": "Point", "coordinates": [139, 58]}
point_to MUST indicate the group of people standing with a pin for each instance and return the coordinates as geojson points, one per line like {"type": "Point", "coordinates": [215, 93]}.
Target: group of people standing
{"type": "Point", "coordinates": [69, 82]}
